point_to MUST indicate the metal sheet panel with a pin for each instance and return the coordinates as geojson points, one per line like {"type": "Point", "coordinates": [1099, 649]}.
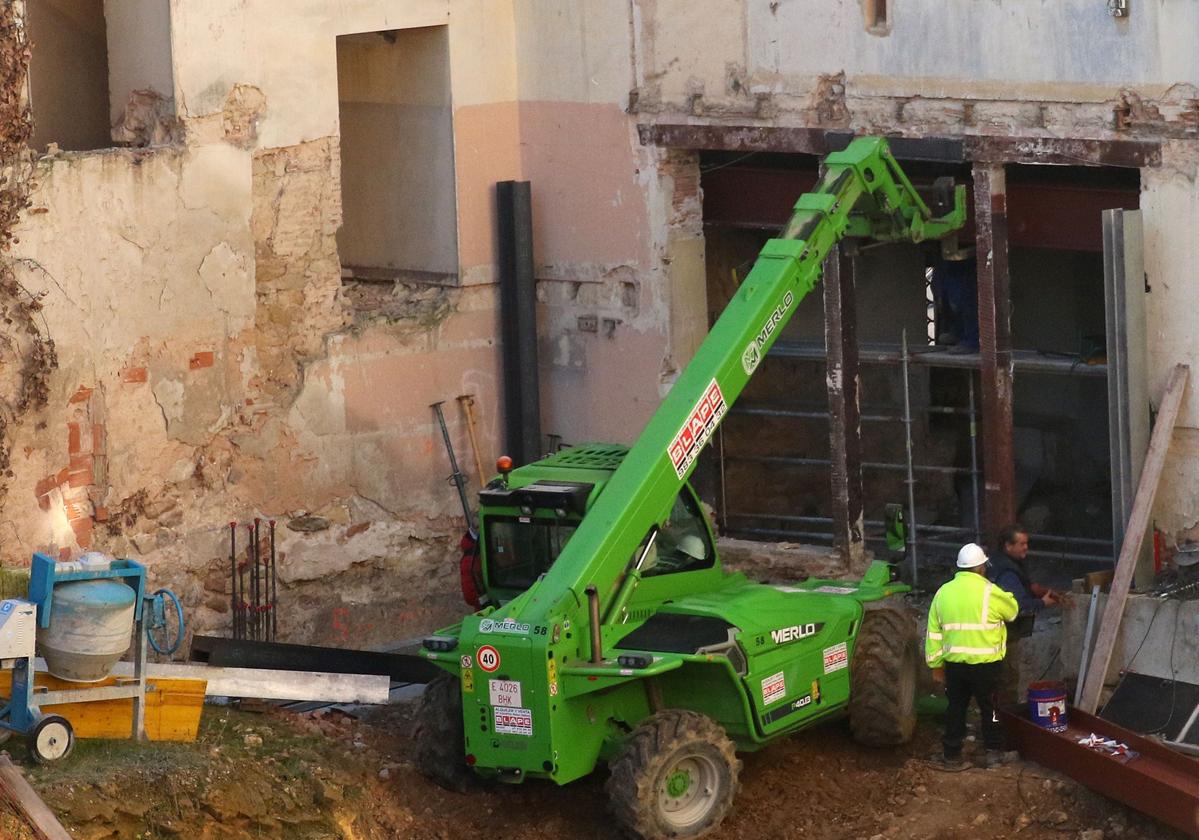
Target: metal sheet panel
{"type": "Point", "coordinates": [1127, 366]}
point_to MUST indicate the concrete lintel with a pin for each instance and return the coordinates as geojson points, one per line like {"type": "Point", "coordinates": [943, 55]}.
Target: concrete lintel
{"type": "Point", "coordinates": [967, 148]}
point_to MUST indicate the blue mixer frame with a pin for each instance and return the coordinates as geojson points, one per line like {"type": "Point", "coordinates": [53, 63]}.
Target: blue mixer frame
{"type": "Point", "coordinates": [23, 711]}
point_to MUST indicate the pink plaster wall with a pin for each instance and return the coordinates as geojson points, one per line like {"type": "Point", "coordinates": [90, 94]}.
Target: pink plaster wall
{"type": "Point", "coordinates": [588, 205]}
{"type": "Point", "coordinates": [486, 150]}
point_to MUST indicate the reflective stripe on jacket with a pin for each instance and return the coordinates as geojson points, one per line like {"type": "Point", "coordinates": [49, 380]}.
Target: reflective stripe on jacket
{"type": "Point", "coordinates": [966, 621]}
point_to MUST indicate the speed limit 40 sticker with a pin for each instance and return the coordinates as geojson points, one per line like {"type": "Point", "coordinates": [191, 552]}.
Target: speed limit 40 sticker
{"type": "Point", "coordinates": [488, 658]}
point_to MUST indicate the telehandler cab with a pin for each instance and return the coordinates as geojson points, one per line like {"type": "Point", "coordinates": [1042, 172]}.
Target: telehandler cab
{"type": "Point", "coordinates": [613, 635]}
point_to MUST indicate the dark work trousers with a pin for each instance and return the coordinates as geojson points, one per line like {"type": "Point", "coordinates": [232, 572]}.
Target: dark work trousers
{"type": "Point", "coordinates": [962, 682]}
{"type": "Point", "coordinates": [1012, 690]}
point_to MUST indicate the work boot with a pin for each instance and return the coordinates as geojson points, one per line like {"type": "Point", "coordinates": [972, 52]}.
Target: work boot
{"type": "Point", "coordinates": [997, 758]}
{"type": "Point", "coordinates": [949, 764]}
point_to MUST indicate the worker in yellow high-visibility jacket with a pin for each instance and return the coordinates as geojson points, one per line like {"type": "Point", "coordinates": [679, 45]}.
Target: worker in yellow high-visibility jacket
{"type": "Point", "coordinates": [965, 646]}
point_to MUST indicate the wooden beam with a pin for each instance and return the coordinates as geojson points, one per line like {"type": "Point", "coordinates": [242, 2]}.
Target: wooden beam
{"type": "Point", "coordinates": [1134, 535]}
{"type": "Point", "coordinates": [16, 790]}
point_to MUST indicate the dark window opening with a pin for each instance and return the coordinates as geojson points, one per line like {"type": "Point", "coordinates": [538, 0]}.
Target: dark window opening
{"type": "Point", "coordinates": [68, 74]}
{"type": "Point", "coordinates": [397, 158]}
{"type": "Point", "coordinates": [768, 475]}
{"type": "Point", "coordinates": [100, 75]}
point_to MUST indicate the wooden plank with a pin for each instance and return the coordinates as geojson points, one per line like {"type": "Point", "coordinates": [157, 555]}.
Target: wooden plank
{"type": "Point", "coordinates": [262, 683]}
{"type": "Point", "coordinates": [274, 685]}
{"type": "Point", "coordinates": [1134, 535]}
{"type": "Point", "coordinates": [18, 791]}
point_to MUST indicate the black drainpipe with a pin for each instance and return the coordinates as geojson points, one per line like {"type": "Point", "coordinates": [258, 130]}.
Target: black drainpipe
{"type": "Point", "coordinates": [518, 317]}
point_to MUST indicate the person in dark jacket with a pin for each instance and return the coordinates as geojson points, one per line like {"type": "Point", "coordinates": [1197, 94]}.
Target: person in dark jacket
{"type": "Point", "coordinates": [1009, 571]}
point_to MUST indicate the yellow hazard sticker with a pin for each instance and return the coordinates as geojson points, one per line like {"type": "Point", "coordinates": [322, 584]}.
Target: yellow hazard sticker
{"type": "Point", "coordinates": [552, 670]}
{"type": "Point", "coordinates": [468, 681]}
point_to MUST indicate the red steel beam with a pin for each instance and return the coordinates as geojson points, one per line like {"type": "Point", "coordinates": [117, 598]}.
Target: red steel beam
{"type": "Point", "coordinates": [1159, 782]}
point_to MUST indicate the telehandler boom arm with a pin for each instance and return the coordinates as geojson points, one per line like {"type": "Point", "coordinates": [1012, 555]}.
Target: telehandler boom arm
{"type": "Point", "coordinates": [863, 193]}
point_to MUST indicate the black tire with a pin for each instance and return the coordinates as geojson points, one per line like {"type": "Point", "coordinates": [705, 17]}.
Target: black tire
{"type": "Point", "coordinates": [51, 740]}
{"type": "Point", "coordinates": [675, 776]}
{"type": "Point", "coordinates": [440, 744]}
{"type": "Point", "coordinates": [884, 676]}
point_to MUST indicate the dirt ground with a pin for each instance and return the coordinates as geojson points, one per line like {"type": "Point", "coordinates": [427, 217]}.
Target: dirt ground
{"type": "Point", "coordinates": [277, 774]}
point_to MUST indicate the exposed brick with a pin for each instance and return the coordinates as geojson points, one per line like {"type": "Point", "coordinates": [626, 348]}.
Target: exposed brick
{"type": "Point", "coordinates": [64, 554]}
{"type": "Point", "coordinates": [202, 359]}
{"type": "Point", "coordinates": [82, 395]}
{"type": "Point", "coordinates": [82, 478]}
{"type": "Point", "coordinates": [43, 490]}
{"type": "Point", "coordinates": [60, 477]}
{"type": "Point", "coordinates": [101, 514]}
{"type": "Point", "coordinates": [73, 438]}
{"type": "Point", "coordinates": [134, 375]}
{"type": "Point", "coordinates": [83, 531]}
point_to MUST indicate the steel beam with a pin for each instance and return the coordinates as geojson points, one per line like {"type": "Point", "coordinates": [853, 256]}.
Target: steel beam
{"type": "Point", "coordinates": [241, 653]}
{"type": "Point", "coordinates": [845, 416]}
{"type": "Point", "coordinates": [995, 345]}
{"type": "Point", "coordinates": [1135, 154]}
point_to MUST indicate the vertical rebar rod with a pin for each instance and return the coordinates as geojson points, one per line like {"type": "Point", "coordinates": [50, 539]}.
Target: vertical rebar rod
{"type": "Point", "coordinates": [911, 480]}
{"type": "Point", "coordinates": [978, 534]}
{"type": "Point", "coordinates": [233, 572]}
{"type": "Point", "coordinates": [247, 570]}
{"type": "Point", "coordinates": [257, 578]}
{"type": "Point", "coordinates": [274, 589]}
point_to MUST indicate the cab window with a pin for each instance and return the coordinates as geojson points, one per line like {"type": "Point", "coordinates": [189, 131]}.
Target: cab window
{"type": "Point", "coordinates": [521, 549]}
{"type": "Point", "coordinates": [683, 544]}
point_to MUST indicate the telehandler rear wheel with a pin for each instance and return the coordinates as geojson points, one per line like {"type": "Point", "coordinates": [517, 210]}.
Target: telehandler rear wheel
{"type": "Point", "coordinates": [676, 776]}
{"type": "Point", "coordinates": [440, 745]}
{"type": "Point", "coordinates": [883, 677]}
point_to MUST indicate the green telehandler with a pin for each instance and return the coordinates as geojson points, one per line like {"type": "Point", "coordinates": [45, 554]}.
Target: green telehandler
{"type": "Point", "coordinates": [613, 635]}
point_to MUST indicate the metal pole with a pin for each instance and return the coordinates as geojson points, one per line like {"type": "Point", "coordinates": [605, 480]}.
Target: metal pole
{"type": "Point", "coordinates": [1086, 645]}
{"type": "Point", "coordinates": [724, 500]}
{"type": "Point", "coordinates": [910, 481]}
{"type": "Point", "coordinates": [457, 478]}
{"type": "Point", "coordinates": [978, 534]}
{"type": "Point", "coordinates": [593, 609]}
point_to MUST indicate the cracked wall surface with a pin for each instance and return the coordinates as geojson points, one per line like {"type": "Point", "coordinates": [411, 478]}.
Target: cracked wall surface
{"type": "Point", "coordinates": [213, 365]}
{"type": "Point", "coordinates": [1060, 69]}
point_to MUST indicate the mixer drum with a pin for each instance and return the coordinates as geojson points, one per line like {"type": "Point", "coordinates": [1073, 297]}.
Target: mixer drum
{"type": "Point", "coordinates": [91, 622]}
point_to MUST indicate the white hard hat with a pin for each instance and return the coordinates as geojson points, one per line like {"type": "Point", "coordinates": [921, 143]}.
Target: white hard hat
{"type": "Point", "coordinates": [693, 547]}
{"type": "Point", "coordinates": [971, 555]}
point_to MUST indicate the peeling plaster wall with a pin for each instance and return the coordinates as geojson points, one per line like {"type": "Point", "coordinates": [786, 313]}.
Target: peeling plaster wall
{"type": "Point", "coordinates": [214, 368]}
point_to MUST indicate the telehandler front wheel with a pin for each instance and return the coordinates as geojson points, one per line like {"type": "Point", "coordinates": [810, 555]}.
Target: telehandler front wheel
{"type": "Point", "coordinates": [884, 675]}
{"type": "Point", "coordinates": [676, 776]}
{"type": "Point", "coordinates": [440, 744]}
